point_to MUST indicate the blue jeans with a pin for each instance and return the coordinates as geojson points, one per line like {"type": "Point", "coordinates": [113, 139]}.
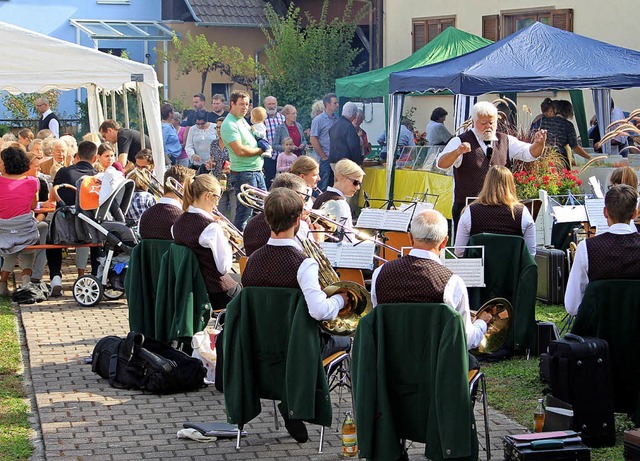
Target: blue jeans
{"type": "Point", "coordinates": [326, 175]}
{"type": "Point", "coordinates": [237, 179]}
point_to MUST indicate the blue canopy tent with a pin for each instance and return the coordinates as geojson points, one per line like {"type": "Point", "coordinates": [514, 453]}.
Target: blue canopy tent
{"type": "Point", "coordinates": [538, 57]}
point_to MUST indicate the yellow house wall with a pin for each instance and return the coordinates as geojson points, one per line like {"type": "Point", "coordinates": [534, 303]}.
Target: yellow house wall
{"type": "Point", "coordinates": [182, 87]}
{"type": "Point", "coordinates": [613, 22]}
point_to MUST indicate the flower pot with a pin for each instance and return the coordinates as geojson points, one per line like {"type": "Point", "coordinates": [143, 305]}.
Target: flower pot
{"type": "Point", "coordinates": [533, 205]}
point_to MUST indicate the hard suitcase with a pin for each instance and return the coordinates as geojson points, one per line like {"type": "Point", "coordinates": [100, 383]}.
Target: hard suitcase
{"type": "Point", "coordinates": [552, 275]}
{"type": "Point", "coordinates": [581, 376]}
{"type": "Point", "coordinates": [632, 445]}
{"type": "Point", "coordinates": [572, 451]}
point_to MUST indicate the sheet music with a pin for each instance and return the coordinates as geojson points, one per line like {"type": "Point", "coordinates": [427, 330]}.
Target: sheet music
{"type": "Point", "coordinates": [350, 255]}
{"type": "Point", "coordinates": [570, 213]}
{"type": "Point", "coordinates": [595, 213]}
{"type": "Point", "coordinates": [391, 220]}
{"type": "Point", "coordinates": [470, 270]}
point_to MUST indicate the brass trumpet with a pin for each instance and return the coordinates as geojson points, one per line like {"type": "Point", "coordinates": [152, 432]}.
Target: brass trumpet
{"type": "Point", "coordinates": [235, 236]}
{"type": "Point", "coordinates": [253, 198]}
{"type": "Point", "coordinates": [497, 330]}
{"type": "Point", "coordinates": [174, 186]}
{"type": "Point", "coordinates": [359, 303]}
{"type": "Point", "coordinates": [146, 177]}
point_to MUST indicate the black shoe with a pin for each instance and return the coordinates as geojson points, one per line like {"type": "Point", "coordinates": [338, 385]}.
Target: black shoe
{"type": "Point", "coordinates": [295, 427]}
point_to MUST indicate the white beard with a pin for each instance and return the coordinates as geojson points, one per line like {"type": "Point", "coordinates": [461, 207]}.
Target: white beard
{"type": "Point", "coordinates": [488, 135]}
{"type": "Point", "coordinates": [271, 112]}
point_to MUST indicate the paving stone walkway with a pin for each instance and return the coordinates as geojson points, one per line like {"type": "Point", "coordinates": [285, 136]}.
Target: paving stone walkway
{"type": "Point", "coordinates": [78, 417]}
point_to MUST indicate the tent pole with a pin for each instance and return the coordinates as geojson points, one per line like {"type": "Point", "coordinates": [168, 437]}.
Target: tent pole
{"type": "Point", "coordinates": [114, 111]}
{"type": "Point", "coordinates": [125, 102]}
{"type": "Point", "coordinates": [140, 115]}
{"type": "Point", "coordinates": [104, 104]}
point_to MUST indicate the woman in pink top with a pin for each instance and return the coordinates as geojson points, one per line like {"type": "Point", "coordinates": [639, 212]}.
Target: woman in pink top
{"type": "Point", "coordinates": [18, 226]}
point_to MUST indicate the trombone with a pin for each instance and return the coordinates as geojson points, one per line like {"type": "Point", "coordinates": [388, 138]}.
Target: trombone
{"type": "Point", "coordinates": [147, 178]}
{"type": "Point", "coordinates": [235, 236]}
{"type": "Point", "coordinates": [253, 198]}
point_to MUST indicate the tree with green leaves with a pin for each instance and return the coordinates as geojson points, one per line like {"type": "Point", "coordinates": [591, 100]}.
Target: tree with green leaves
{"type": "Point", "coordinates": [23, 106]}
{"type": "Point", "coordinates": [199, 55]}
{"type": "Point", "coordinates": [305, 55]}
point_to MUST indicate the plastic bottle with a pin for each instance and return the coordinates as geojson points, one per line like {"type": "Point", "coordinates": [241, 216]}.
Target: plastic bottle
{"type": "Point", "coordinates": [223, 182]}
{"type": "Point", "coordinates": [349, 438]}
{"type": "Point", "coordinates": [538, 416]}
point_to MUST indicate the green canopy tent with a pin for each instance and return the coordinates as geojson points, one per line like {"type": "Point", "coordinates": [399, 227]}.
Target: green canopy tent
{"type": "Point", "coordinates": [449, 44]}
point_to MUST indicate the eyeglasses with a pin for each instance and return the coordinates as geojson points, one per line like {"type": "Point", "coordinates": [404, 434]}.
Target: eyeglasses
{"type": "Point", "coordinates": [304, 195]}
{"type": "Point", "coordinates": [355, 182]}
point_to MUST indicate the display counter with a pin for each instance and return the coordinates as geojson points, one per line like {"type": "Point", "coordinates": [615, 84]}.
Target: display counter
{"type": "Point", "coordinates": [407, 184]}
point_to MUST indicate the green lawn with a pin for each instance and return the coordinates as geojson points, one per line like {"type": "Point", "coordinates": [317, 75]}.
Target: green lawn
{"type": "Point", "coordinates": [514, 388]}
{"type": "Point", "coordinates": [14, 406]}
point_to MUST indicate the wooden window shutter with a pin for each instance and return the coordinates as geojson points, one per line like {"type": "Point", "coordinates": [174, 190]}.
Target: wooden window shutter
{"type": "Point", "coordinates": [562, 19]}
{"type": "Point", "coordinates": [491, 27]}
{"type": "Point", "coordinates": [419, 35]}
{"type": "Point", "coordinates": [433, 29]}
{"type": "Point", "coordinates": [451, 22]}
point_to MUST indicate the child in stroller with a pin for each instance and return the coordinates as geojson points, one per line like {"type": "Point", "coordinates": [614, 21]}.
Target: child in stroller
{"type": "Point", "coordinates": [92, 222]}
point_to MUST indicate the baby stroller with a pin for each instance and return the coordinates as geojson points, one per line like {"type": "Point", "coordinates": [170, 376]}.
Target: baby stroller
{"type": "Point", "coordinates": [103, 224]}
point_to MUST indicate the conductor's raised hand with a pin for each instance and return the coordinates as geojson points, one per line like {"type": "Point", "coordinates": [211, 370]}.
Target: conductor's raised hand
{"type": "Point", "coordinates": [540, 137]}
{"type": "Point", "coordinates": [464, 148]}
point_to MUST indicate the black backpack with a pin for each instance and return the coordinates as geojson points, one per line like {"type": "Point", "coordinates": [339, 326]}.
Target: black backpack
{"type": "Point", "coordinates": [156, 367]}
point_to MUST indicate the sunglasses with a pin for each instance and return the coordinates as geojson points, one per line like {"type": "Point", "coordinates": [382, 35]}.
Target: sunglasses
{"type": "Point", "coordinates": [355, 182]}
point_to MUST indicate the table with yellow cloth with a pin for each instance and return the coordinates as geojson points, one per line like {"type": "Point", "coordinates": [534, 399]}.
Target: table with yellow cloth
{"type": "Point", "coordinates": [407, 183]}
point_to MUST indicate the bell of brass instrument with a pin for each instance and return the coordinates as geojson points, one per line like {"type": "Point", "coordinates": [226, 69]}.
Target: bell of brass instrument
{"type": "Point", "coordinates": [147, 178]}
{"type": "Point", "coordinates": [359, 298]}
{"type": "Point", "coordinates": [498, 330]}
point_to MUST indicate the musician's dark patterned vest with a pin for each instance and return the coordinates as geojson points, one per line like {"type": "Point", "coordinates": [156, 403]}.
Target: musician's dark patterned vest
{"type": "Point", "coordinates": [613, 256]}
{"type": "Point", "coordinates": [496, 219]}
{"type": "Point", "coordinates": [187, 230]}
{"type": "Point", "coordinates": [273, 266]}
{"type": "Point", "coordinates": [44, 123]}
{"type": "Point", "coordinates": [325, 197]}
{"type": "Point", "coordinates": [256, 233]}
{"type": "Point", "coordinates": [469, 176]}
{"type": "Point", "coordinates": [412, 280]}
{"type": "Point", "coordinates": [156, 222]}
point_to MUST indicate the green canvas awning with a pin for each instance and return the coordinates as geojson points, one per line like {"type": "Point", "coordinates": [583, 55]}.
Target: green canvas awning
{"type": "Point", "coordinates": [449, 44]}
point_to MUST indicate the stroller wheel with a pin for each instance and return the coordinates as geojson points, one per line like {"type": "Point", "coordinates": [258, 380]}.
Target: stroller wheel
{"type": "Point", "coordinates": [87, 290]}
{"type": "Point", "coordinates": [112, 293]}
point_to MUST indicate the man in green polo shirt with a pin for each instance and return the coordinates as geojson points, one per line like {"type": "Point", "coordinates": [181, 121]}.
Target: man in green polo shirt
{"type": "Point", "coordinates": [244, 153]}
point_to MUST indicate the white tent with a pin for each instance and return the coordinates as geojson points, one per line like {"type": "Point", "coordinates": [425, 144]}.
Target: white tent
{"type": "Point", "coordinates": [33, 62]}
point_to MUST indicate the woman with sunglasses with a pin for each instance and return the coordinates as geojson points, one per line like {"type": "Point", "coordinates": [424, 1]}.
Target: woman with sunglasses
{"type": "Point", "coordinates": [199, 139]}
{"type": "Point", "coordinates": [199, 230]}
{"type": "Point", "coordinates": [347, 181]}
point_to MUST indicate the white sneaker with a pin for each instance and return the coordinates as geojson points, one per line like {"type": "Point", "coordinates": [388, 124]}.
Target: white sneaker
{"type": "Point", "coordinates": [56, 287]}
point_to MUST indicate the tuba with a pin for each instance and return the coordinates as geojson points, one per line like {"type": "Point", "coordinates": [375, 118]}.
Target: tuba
{"type": "Point", "coordinates": [498, 330]}
{"type": "Point", "coordinates": [359, 302]}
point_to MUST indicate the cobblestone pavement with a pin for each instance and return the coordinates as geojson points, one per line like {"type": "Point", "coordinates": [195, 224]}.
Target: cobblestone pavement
{"type": "Point", "coordinates": [79, 417]}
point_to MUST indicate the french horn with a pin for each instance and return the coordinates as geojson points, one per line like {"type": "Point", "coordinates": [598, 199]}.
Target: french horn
{"type": "Point", "coordinates": [498, 329]}
{"type": "Point", "coordinates": [359, 303]}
